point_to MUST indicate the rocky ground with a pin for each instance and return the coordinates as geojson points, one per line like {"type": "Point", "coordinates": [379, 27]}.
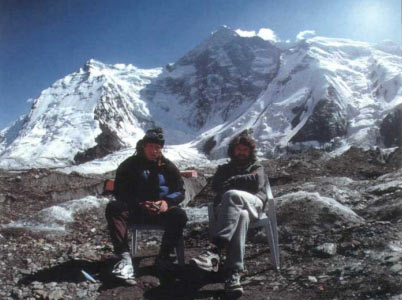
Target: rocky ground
{"type": "Point", "coordinates": [339, 223]}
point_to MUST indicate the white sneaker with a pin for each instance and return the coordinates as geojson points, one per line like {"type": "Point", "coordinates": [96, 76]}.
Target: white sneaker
{"type": "Point", "coordinates": [233, 286]}
{"type": "Point", "coordinates": [124, 270]}
{"type": "Point", "coordinates": [207, 260]}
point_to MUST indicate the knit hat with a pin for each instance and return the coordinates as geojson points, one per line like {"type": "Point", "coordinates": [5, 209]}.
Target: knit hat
{"type": "Point", "coordinates": [154, 136]}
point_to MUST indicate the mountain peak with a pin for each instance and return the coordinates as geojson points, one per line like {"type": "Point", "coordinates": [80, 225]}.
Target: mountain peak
{"type": "Point", "coordinates": [93, 64]}
{"type": "Point", "coordinates": [224, 31]}
{"type": "Point", "coordinates": [218, 39]}
{"type": "Point", "coordinates": [222, 35]}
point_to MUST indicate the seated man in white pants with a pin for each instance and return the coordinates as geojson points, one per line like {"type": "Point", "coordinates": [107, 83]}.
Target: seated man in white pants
{"type": "Point", "coordinates": [239, 186]}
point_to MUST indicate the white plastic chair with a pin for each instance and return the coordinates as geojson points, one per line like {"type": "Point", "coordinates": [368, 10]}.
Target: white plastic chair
{"type": "Point", "coordinates": [264, 220]}
{"type": "Point", "coordinates": [136, 227]}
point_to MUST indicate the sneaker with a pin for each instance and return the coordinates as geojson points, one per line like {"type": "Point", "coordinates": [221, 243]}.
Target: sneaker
{"type": "Point", "coordinates": [233, 286]}
{"type": "Point", "coordinates": [207, 260]}
{"type": "Point", "coordinates": [124, 270]}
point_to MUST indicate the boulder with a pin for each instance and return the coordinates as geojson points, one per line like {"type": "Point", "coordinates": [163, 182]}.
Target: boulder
{"type": "Point", "coordinates": [304, 210]}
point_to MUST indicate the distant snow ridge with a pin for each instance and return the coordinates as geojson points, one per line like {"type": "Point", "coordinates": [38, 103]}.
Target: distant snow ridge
{"type": "Point", "coordinates": [316, 92]}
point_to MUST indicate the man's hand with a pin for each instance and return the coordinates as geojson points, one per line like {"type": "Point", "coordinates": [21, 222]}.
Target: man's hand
{"type": "Point", "coordinates": [154, 207]}
{"type": "Point", "coordinates": [228, 184]}
{"type": "Point", "coordinates": [163, 206]}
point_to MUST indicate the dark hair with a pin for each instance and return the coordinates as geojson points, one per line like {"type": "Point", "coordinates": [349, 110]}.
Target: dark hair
{"type": "Point", "coordinates": [139, 147]}
{"type": "Point", "coordinates": [245, 140]}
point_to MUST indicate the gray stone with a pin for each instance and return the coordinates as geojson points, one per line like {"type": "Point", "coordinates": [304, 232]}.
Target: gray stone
{"type": "Point", "coordinates": [37, 285]}
{"type": "Point", "coordinates": [395, 257]}
{"type": "Point", "coordinates": [326, 249]}
{"type": "Point", "coordinates": [25, 271]}
{"type": "Point", "coordinates": [396, 268]}
{"type": "Point", "coordinates": [82, 293]}
{"type": "Point", "coordinates": [56, 295]}
{"type": "Point", "coordinates": [41, 293]}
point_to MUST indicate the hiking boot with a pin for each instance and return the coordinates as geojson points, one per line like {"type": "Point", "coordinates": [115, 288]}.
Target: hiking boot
{"type": "Point", "coordinates": [166, 270]}
{"type": "Point", "coordinates": [165, 263]}
{"type": "Point", "coordinates": [124, 270]}
{"type": "Point", "coordinates": [233, 286]}
{"type": "Point", "coordinates": [208, 260]}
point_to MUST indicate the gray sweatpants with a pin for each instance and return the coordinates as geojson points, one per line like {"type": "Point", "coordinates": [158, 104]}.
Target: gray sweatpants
{"type": "Point", "coordinates": [233, 215]}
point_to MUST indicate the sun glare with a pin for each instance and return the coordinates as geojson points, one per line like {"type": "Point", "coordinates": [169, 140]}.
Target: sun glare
{"type": "Point", "coordinates": [371, 12]}
{"type": "Point", "coordinates": [370, 20]}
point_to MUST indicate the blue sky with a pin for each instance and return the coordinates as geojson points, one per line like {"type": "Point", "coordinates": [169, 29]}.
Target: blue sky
{"type": "Point", "coordinates": [43, 41]}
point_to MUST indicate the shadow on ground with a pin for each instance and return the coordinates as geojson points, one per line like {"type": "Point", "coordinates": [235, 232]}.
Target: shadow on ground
{"type": "Point", "coordinates": [69, 271]}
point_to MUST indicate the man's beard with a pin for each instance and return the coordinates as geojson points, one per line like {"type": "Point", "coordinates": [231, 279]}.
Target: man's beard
{"type": "Point", "coordinates": [242, 158]}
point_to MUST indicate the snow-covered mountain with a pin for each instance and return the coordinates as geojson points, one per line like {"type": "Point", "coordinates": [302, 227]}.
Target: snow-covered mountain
{"type": "Point", "coordinates": [326, 90]}
{"type": "Point", "coordinates": [314, 91]}
{"type": "Point", "coordinates": [216, 81]}
{"type": "Point", "coordinates": [98, 109]}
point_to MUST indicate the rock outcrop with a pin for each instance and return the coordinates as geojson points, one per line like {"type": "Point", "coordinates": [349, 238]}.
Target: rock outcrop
{"type": "Point", "coordinates": [391, 128]}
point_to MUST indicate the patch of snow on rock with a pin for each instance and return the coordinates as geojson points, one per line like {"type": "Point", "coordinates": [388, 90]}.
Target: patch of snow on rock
{"type": "Point", "coordinates": [55, 218]}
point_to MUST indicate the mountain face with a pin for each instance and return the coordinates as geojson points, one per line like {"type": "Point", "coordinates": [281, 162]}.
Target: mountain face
{"type": "Point", "coordinates": [326, 91]}
{"type": "Point", "coordinates": [312, 92]}
{"type": "Point", "coordinates": [216, 80]}
{"type": "Point", "coordinates": [327, 121]}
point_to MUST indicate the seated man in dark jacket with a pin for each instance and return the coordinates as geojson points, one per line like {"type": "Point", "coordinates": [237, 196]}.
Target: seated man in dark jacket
{"type": "Point", "coordinates": [239, 186]}
{"type": "Point", "coordinates": [148, 189]}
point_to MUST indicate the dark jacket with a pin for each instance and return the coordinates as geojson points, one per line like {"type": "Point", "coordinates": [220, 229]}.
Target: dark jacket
{"type": "Point", "coordinates": [248, 177]}
{"type": "Point", "coordinates": [138, 179]}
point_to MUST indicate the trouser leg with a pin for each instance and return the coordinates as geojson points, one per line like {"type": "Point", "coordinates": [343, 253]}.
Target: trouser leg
{"type": "Point", "coordinates": [117, 215]}
{"type": "Point", "coordinates": [174, 221]}
{"type": "Point", "coordinates": [233, 217]}
{"type": "Point", "coordinates": [237, 245]}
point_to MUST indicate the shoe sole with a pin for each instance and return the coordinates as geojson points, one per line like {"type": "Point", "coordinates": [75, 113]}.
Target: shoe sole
{"type": "Point", "coordinates": [130, 281]}
{"type": "Point", "coordinates": [124, 277]}
{"type": "Point", "coordinates": [235, 293]}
